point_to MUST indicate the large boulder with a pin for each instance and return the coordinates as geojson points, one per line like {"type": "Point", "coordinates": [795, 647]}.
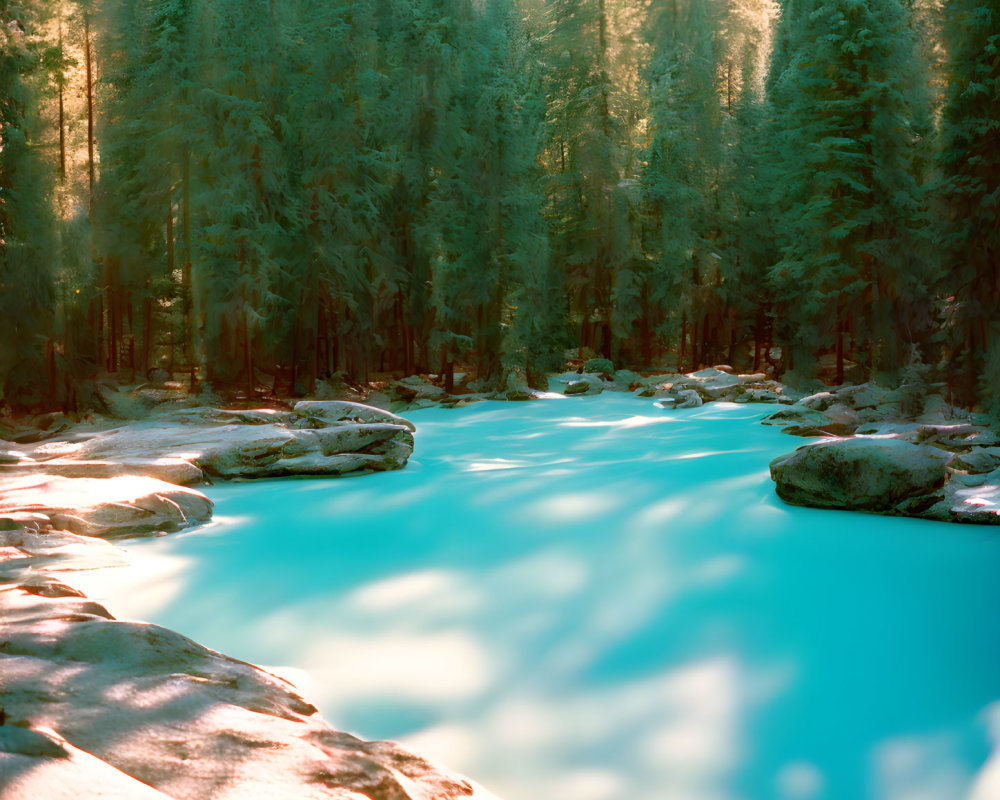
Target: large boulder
{"type": "Point", "coordinates": [581, 383]}
{"type": "Point", "coordinates": [335, 437]}
{"type": "Point", "coordinates": [172, 470]}
{"type": "Point", "coordinates": [415, 387]}
{"type": "Point", "coordinates": [126, 710]}
{"type": "Point", "coordinates": [799, 415]}
{"type": "Point", "coordinates": [346, 411]}
{"type": "Point", "coordinates": [689, 398]}
{"type": "Point", "coordinates": [881, 475]}
{"type": "Point", "coordinates": [625, 380]}
{"type": "Point", "coordinates": [599, 366]}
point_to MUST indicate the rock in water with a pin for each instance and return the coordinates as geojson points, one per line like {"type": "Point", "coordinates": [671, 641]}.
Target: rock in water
{"type": "Point", "coordinates": [859, 474]}
{"type": "Point", "coordinates": [689, 398]}
{"type": "Point", "coordinates": [581, 383]}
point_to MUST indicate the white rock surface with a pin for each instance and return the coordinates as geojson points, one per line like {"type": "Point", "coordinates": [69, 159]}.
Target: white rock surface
{"type": "Point", "coordinates": [105, 506]}
{"type": "Point", "coordinates": [258, 450]}
{"type": "Point", "coordinates": [93, 707]}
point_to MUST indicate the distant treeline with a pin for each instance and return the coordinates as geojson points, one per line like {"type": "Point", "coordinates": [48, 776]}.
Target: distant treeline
{"type": "Point", "coordinates": [279, 190]}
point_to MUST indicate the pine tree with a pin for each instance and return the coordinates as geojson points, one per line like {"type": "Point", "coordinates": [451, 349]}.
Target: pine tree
{"type": "Point", "coordinates": [841, 121]}
{"type": "Point", "coordinates": [970, 197]}
{"type": "Point", "coordinates": [26, 222]}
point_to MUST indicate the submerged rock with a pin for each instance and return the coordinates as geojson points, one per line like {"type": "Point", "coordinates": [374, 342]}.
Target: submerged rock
{"type": "Point", "coordinates": [859, 474]}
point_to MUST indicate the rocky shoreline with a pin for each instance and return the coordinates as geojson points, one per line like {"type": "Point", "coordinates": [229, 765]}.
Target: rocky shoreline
{"type": "Point", "coordinates": [902, 451]}
{"type": "Point", "coordinates": [96, 707]}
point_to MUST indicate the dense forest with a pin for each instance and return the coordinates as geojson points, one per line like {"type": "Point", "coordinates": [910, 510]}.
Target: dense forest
{"type": "Point", "coordinates": [251, 193]}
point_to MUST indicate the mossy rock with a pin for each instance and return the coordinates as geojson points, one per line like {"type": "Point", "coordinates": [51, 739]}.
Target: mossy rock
{"type": "Point", "coordinates": [599, 365]}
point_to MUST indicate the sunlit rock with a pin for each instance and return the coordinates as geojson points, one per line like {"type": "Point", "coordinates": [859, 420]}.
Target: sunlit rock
{"type": "Point", "coordinates": [106, 506]}
{"type": "Point", "coordinates": [820, 401]}
{"type": "Point", "coordinates": [345, 411]}
{"type": "Point", "coordinates": [797, 414]}
{"type": "Point", "coordinates": [258, 451]}
{"type": "Point", "coordinates": [860, 474]}
{"type": "Point", "coordinates": [714, 378]}
{"type": "Point", "coordinates": [172, 470]}
{"type": "Point", "coordinates": [961, 434]}
{"type": "Point", "coordinates": [130, 710]}
{"type": "Point", "coordinates": [41, 764]}
{"type": "Point", "coordinates": [978, 504]}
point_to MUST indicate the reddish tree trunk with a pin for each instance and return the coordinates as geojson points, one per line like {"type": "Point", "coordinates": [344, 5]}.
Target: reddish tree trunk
{"type": "Point", "coordinates": [680, 355]}
{"type": "Point", "coordinates": [90, 111]}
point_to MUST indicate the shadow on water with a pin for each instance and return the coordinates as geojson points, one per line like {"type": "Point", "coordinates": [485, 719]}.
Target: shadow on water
{"type": "Point", "coordinates": [602, 600]}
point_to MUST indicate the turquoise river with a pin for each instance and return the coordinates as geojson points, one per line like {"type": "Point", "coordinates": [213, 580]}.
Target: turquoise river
{"type": "Point", "coordinates": [593, 598]}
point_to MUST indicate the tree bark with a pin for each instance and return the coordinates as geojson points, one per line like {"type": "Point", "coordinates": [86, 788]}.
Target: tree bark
{"type": "Point", "coordinates": [680, 356]}
{"type": "Point", "coordinates": [90, 112]}
{"type": "Point", "coordinates": [62, 125]}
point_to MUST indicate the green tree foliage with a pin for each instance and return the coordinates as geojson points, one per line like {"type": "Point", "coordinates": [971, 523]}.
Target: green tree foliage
{"type": "Point", "coordinates": [289, 190]}
{"type": "Point", "coordinates": [27, 227]}
{"type": "Point", "coordinates": [850, 200]}
{"type": "Point", "coordinates": [970, 197]}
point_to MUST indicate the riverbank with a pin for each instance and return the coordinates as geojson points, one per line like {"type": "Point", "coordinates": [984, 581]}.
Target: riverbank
{"type": "Point", "coordinates": [90, 701]}
{"type": "Point", "coordinates": [878, 450]}
{"type": "Point", "coordinates": [560, 598]}
{"type": "Point", "coordinates": [96, 707]}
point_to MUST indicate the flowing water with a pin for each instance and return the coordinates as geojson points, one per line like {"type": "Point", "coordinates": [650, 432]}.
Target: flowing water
{"type": "Point", "coordinates": [596, 599]}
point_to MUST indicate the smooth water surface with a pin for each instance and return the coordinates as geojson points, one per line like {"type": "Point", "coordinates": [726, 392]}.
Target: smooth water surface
{"type": "Point", "coordinates": [596, 599]}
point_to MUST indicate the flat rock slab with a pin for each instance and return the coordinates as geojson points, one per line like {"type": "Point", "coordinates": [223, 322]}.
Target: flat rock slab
{"type": "Point", "coordinates": [172, 470]}
{"type": "Point", "coordinates": [979, 504]}
{"type": "Point", "coordinates": [36, 764]}
{"type": "Point", "coordinates": [183, 445]}
{"type": "Point", "coordinates": [860, 474]}
{"type": "Point", "coordinates": [105, 506]}
{"type": "Point", "coordinates": [346, 411]}
{"type": "Point", "coordinates": [257, 450]}
{"type": "Point", "coordinates": [96, 707]}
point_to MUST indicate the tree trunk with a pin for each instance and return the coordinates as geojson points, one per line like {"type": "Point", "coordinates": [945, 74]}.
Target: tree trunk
{"type": "Point", "coordinates": [90, 112]}
{"type": "Point", "coordinates": [645, 345]}
{"type": "Point", "coordinates": [62, 126]}
{"type": "Point", "coordinates": [147, 331]}
{"type": "Point", "coordinates": [694, 347]}
{"type": "Point", "coordinates": [187, 290]}
{"type": "Point", "coordinates": [680, 356]}
{"type": "Point", "coordinates": [758, 337]}
{"type": "Point", "coordinates": [839, 377]}
{"type": "Point", "coordinates": [706, 334]}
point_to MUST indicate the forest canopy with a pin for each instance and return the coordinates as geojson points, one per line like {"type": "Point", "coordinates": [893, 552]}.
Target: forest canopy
{"type": "Point", "coordinates": [272, 192]}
